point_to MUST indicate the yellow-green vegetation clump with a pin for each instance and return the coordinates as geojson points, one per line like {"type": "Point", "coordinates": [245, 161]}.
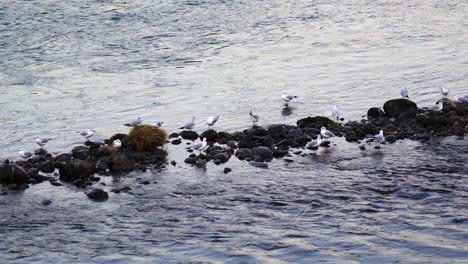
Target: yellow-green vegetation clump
{"type": "Point", "coordinates": [146, 138]}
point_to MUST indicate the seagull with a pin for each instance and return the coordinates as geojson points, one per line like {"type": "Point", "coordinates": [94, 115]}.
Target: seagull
{"type": "Point", "coordinates": [87, 133]}
{"type": "Point", "coordinates": [41, 141]}
{"type": "Point", "coordinates": [314, 144]}
{"type": "Point", "coordinates": [157, 123]}
{"type": "Point", "coordinates": [211, 121]}
{"type": "Point", "coordinates": [438, 107]}
{"type": "Point", "coordinates": [117, 143]}
{"type": "Point", "coordinates": [404, 92]}
{"type": "Point", "coordinates": [135, 122]}
{"type": "Point", "coordinates": [25, 154]}
{"type": "Point", "coordinates": [445, 91]}
{"type": "Point", "coordinates": [461, 99]}
{"type": "Point", "coordinates": [379, 138]}
{"type": "Point", "coordinates": [336, 113]}
{"type": "Point", "coordinates": [189, 125]}
{"type": "Point", "coordinates": [287, 98]}
{"type": "Point", "coordinates": [254, 117]}
{"type": "Point", "coordinates": [326, 134]}
{"type": "Point", "coordinates": [199, 145]}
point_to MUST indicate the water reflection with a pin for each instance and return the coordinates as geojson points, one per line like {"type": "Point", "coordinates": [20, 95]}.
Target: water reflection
{"type": "Point", "coordinates": [287, 111]}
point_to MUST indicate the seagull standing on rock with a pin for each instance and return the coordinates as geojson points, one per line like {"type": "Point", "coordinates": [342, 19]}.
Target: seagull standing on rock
{"type": "Point", "coordinates": [314, 144]}
{"type": "Point", "coordinates": [211, 121]}
{"type": "Point", "coordinates": [445, 91]}
{"type": "Point", "coordinates": [404, 92]}
{"type": "Point", "coordinates": [287, 98]}
{"type": "Point", "coordinates": [157, 124]}
{"type": "Point", "coordinates": [336, 113]}
{"type": "Point", "coordinates": [379, 138]}
{"type": "Point", "coordinates": [438, 107]}
{"type": "Point", "coordinates": [25, 154]}
{"type": "Point", "coordinates": [461, 98]}
{"type": "Point", "coordinates": [135, 122]}
{"type": "Point", "coordinates": [254, 117]}
{"type": "Point", "coordinates": [189, 125]}
{"type": "Point", "coordinates": [87, 133]}
{"type": "Point", "coordinates": [199, 145]}
{"type": "Point", "coordinates": [116, 143]}
{"type": "Point", "coordinates": [326, 134]}
{"type": "Point", "coordinates": [41, 141]}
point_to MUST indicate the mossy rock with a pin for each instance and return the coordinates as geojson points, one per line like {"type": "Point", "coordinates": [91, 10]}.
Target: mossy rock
{"type": "Point", "coordinates": [146, 138]}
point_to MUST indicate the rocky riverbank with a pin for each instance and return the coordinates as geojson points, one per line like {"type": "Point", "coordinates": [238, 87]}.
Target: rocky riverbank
{"type": "Point", "coordinates": [84, 165]}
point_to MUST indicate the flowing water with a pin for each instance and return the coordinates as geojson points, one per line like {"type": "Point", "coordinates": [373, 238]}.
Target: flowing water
{"type": "Point", "coordinates": [70, 65]}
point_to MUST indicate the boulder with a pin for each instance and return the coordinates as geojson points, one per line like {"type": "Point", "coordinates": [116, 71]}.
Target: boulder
{"type": "Point", "coordinates": [80, 152]}
{"type": "Point", "coordinates": [315, 122]}
{"type": "Point", "coordinates": [76, 169]}
{"type": "Point", "coordinates": [13, 174]}
{"type": "Point", "coordinates": [395, 107]}
{"type": "Point", "coordinates": [118, 162]}
{"type": "Point", "coordinates": [210, 135]}
{"type": "Point", "coordinates": [222, 157]}
{"type": "Point", "coordinates": [98, 195]}
{"type": "Point", "coordinates": [188, 134]}
{"type": "Point", "coordinates": [47, 166]}
{"type": "Point", "coordinates": [375, 112]}
{"type": "Point", "coordinates": [263, 152]}
{"type": "Point", "coordinates": [243, 153]}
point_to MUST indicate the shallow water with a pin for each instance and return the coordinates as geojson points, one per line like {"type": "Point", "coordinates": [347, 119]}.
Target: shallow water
{"type": "Point", "coordinates": [97, 64]}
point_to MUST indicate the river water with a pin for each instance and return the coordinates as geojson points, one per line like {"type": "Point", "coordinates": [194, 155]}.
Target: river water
{"type": "Point", "coordinates": [71, 65]}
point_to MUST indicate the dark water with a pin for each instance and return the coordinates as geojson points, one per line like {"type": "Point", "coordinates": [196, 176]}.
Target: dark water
{"type": "Point", "coordinates": [96, 64]}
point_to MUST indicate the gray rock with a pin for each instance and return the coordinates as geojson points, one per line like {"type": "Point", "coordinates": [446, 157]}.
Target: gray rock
{"type": "Point", "coordinates": [258, 164]}
{"type": "Point", "coordinates": [76, 169]}
{"type": "Point", "coordinates": [118, 162]}
{"type": "Point", "coordinates": [263, 152]}
{"type": "Point", "coordinates": [80, 152]}
{"type": "Point", "coordinates": [222, 157]}
{"type": "Point", "coordinates": [395, 107]}
{"type": "Point", "coordinates": [98, 195]}
{"type": "Point", "coordinates": [47, 166]}
{"type": "Point", "coordinates": [13, 174]}
{"type": "Point", "coordinates": [243, 153]}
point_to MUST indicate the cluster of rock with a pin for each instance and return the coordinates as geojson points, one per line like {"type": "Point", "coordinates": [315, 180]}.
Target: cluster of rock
{"type": "Point", "coordinates": [399, 119]}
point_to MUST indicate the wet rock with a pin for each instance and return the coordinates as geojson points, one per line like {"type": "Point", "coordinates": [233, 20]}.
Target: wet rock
{"type": "Point", "coordinates": [302, 140]}
{"type": "Point", "coordinates": [55, 183]}
{"type": "Point", "coordinates": [293, 133]}
{"type": "Point", "coordinates": [104, 151]}
{"type": "Point", "coordinates": [268, 141]}
{"type": "Point", "coordinates": [311, 131]}
{"type": "Point", "coordinates": [459, 131]}
{"type": "Point", "coordinates": [75, 169]}
{"type": "Point", "coordinates": [78, 183]}
{"type": "Point", "coordinates": [36, 160]}
{"type": "Point", "coordinates": [98, 195]}
{"type": "Point", "coordinates": [190, 160]}
{"type": "Point", "coordinates": [277, 131]}
{"type": "Point", "coordinates": [243, 153]}
{"type": "Point", "coordinates": [176, 141]}
{"type": "Point", "coordinates": [227, 170]}
{"type": "Point", "coordinates": [258, 164]}
{"type": "Point", "coordinates": [174, 135]}
{"type": "Point", "coordinates": [40, 152]}
{"type": "Point", "coordinates": [350, 136]}
{"type": "Point", "coordinates": [210, 135]}
{"type": "Point", "coordinates": [365, 129]}
{"type": "Point", "coordinates": [173, 162]}
{"type": "Point", "coordinates": [102, 164]}
{"type": "Point", "coordinates": [375, 112]}
{"type": "Point", "coordinates": [390, 139]}
{"type": "Point", "coordinates": [47, 166]}
{"type": "Point", "coordinates": [222, 157]}
{"type": "Point", "coordinates": [13, 174]}
{"type": "Point", "coordinates": [257, 131]}
{"type": "Point", "coordinates": [315, 122]}
{"type": "Point", "coordinates": [263, 152]}
{"type": "Point", "coordinates": [395, 107]}
{"type": "Point", "coordinates": [62, 158]}
{"type": "Point", "coordinates": [232, 144]}
{"type": "Point", "coordinates": [118, 162]}
{"type": "Point", "coordinates": [33, 171]}
{"type": "Point", "coordinates": [278, 153]}
{"type": "Point", "coordinates": [46, 202]}
{"type": "Point", "coordinates": [190, 135]}
{"type": "Point", "coordinates": [80, 152]}
{"type": "Point", "coordinates": [246, 144]}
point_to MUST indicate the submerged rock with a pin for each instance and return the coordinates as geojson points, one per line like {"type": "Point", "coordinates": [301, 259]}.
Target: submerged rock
{"type": "Point", "coordinates": [98, 195]}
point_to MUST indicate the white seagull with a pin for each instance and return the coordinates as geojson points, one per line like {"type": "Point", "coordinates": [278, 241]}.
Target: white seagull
{"type": "Point", "coordinates": [41, 141]}
{"type": "Point", "coordinates": [25, 154]}
{"type": "Point", "coordinates": [314, 144]}
{"type": "Point", "coordinates": [287, 98]}
{"type": "Point", "coordinates": [254, 117]}
{"type": "Point", "coordinates": [326, 134]}
{"type": "Point", "coordinates": [438, 107]}
{"type": "Point", "coordinates": [157, 123]}
{"type": "Point", "coordinates": [135, 122]}
{"type": "Point", "coordinates": [87, 133]}
{"type": "Point", "coordinates": [189, 125]}
{"type": "Point", "coordinates": [199, 145]}
{"type": "Point", "coordinates": [379, 138]}
{"type": "Point", "coordinates": [211, 121]}
{"type": "Point", "coordinates": [336, 113]}
{"type": "Point", "coordinates": [117, 143]}
{"type": "Point", "coordinates": [445, 91]}
{"type": "Point", "coordinates": [404, 92]}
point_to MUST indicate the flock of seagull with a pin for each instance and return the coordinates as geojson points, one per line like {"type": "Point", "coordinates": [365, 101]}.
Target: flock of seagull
{"type": "Point", "coordinates": [199, 145]}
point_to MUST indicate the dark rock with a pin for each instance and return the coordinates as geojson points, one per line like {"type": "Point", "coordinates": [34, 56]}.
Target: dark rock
{"type": "Point", "coordinates": [365, 129]}
{"type": "Point", "coordinates": [375, 112]}
{"type": "Point", "coordinates": [277, 131]}
{"type": "Point", "coordinates": [55, 183]}
{"type": "Point", "coordinates": [278, 153]}
{"type": "Point", "coordinates": [315, 122]}
{"type": "Point", "coordinates": [173, 162]}
{"type": "Point", "coordinates": [268, 141]}
{"type": "Point", "coordinates": [258, 164]}
{"type": "Point", "coordinates": [46, 202]}
{"type": "Point", "coordinates": [36, 160]}
{"type": "Point", "coordinates": [263, 152]}
{"type": "Point", "coordinates": [227, 170]}
{"type": "Point", "coordinates": [146, 182]}
{"type": "Point", "coordinates": [80, 152]}
{"type": "Point", "coordinates": [351, 136]}
{"type": "Point", "coordinates": [395, 107]}
{"type": "Point", "coordinates": [176, 141]}
{"type": "Point", "coordinates": [302, 140]}
{"type": "Point", "coordinates": [98, 195]}
{"type": "Point", "coordinates": [104, 151]}
{"type": "Point", "coordinates": [311, 131]}
{"type": "Point", "coordinates": [246, 144]}
{"type": "Point", "coordinates": [190, 160]}
{"type": "Point", "coordinates": [459, 131]}
{"type": "Point", "coordinates": [210, 135]}
{"type": "Point", "coordinates": [96, 179]}
{"type": "Point", "coordinates": [362, 147]}
{"type": "Point", "coordinates": [40, 152]}
{"type": "Point", "coordinates": [47, 166]}
{"type": "Point", "coordinates": [102, 164]}
{"type": "Point", "coordinates": [174, 135]}
{"type": "Point", "coordinates": [75, 169]}
{"type": "Point", "coordinates": [293, 133]}
{"type": "Point", "coordinates": [243, 153]}
{"type": "Point", "coordinates": [118, 162]}
{"type": "Point", "coordinates": [390, 139]}
{"type": "Point", "coordinates": [32, 171]}
{"type": "Point", "coordinates": [62, 158]}
{"type": "Point", "coordinates": [231, 144]}
{"type": "Point", "coordinates": [78, 183]}
{"type": "Point", "coordinates": [13, 174]}
{"type": "Point", "coordinates": [190, 135]}
{"type": "Point", "coordinates": [257, 131]}
{"type": "Point", "coordinates": [222, 157]}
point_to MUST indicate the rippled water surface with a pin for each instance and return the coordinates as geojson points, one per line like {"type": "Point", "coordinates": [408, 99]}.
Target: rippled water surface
{"type": "Point", "coordinates": [69, 65]}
